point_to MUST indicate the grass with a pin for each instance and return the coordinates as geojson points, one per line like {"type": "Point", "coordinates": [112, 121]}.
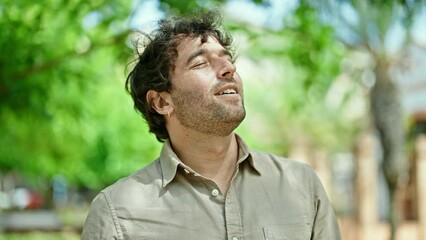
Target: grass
{"type": "Point", "coordinates": [72, 220]}
{"type": "Point", "coordinates": [40, 236]}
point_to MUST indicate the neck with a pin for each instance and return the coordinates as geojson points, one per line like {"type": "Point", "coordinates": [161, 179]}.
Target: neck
{"type": "Point", "coordinates": [214, 157]}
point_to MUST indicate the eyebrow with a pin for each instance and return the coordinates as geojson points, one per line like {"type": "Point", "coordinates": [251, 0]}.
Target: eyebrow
{"type": "Point", "coordinates": [200, 52]}
{"type": "Point", "coordinates": [226, 52]}
{"type": "Point", "coordinates": [195, 54]}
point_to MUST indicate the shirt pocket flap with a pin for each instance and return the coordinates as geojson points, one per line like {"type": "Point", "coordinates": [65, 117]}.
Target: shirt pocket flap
{"type": "Point", "coordinates": [300, 231]}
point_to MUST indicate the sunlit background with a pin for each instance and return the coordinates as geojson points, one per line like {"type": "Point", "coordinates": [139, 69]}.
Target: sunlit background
{"type": "Point", "coordinates": [340, 85]}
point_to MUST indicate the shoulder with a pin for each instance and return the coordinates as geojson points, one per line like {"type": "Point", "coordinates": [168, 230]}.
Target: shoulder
{"type": "Point", "coordinates": [124, 195]}
{"type": "Point", "coordinates": [272, 162]}
{"type": "Point", "coordinates": [144, 182]}
{"type": "Point", "coordinates": [299, 175]}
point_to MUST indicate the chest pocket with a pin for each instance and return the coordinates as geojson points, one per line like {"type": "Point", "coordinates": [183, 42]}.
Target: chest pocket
{"type": "Point", "coordinates": [300, 231]}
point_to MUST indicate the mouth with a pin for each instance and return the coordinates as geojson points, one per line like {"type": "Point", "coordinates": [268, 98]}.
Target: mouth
{"type": "Point", "coordinates": [227, 90]}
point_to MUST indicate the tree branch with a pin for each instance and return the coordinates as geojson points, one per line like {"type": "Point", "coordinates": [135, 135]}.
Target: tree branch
{"type": "Point", "coordinates": [60, 59]}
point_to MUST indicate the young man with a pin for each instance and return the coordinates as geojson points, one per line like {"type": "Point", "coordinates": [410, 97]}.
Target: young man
{"type": "Point", "coordinates": [206, 183]}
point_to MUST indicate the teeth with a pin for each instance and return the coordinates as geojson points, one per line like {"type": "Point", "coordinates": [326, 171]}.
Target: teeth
{"type": "Point", "coordinates": [228, 91]}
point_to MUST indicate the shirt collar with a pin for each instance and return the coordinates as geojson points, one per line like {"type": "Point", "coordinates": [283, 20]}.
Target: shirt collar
{"type": "Point", "coordinates": [244, 152]}
{"type": "Point", "coordinates": [169, 161]}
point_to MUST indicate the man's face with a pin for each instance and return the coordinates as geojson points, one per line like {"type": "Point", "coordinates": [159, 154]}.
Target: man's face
{"type": "Point", "coordinates": [207, 91]}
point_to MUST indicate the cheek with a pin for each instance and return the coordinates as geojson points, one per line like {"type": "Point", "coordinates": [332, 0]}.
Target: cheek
{"type": "Point", "coordinates": [205, 75]}
{"type": "Point", "coordinates": [237, 78]}
{"type": "Point", "coordinates": [199, 80]}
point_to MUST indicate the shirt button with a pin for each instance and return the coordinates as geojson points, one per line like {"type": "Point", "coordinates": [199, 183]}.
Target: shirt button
{"type": "Point", "coordinates": [215, 192]}
{"type": "Point", "coordinates": [234, 238]}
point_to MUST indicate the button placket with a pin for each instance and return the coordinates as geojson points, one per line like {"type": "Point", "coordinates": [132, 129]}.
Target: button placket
{"type": "Point", "coordinates": [215, 192]}
{"type": "Point", "coordinates": [233, 215]}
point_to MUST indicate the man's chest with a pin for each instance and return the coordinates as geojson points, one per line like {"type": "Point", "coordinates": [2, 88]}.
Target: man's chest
{"type": "Point", "coordinates": [249, 211]}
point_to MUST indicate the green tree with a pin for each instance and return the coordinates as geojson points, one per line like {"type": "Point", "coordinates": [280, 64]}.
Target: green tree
{"type": "Point", "coordinates": [368, 26]}
{"type": "Point", "coordinates": [62, 101]}
{"type": "Point", "coordinates": [307, 60]}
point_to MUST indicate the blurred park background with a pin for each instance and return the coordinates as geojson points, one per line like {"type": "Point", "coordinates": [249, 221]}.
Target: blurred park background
{"type": "Point", "coordinates": [339, 84]}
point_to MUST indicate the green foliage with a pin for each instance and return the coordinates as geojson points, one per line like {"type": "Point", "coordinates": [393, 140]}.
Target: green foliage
{"type": "Point", "coordinates": [63, 109]}
{"type": "Point", "coordinates": [62, 100]}
{"type": "Point", "coordinates": [40, 236]}
{"type": "Point", "coordinates": [189, 6]}
{"type": "Point", "coordinates": [179, 8]}
{"type": "Point", "coordinates": [370, 22]}
{"type": "Point", "coordinates": [306, 59]}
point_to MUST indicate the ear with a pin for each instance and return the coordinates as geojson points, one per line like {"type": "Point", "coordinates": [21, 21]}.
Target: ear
{"type": "Point", "coordinates": [160, 102]}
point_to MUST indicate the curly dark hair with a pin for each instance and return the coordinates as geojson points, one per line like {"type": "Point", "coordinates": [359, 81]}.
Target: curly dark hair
{"type": "Point", "coordinates": [156, 62]}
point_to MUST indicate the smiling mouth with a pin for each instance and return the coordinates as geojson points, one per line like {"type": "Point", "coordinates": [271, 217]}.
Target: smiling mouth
{"type": "Point", "coordinates": [228, 91]}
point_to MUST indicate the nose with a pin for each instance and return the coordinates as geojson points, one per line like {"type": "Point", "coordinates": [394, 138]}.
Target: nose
{"type": "Point", "coordinates": [226, 69]}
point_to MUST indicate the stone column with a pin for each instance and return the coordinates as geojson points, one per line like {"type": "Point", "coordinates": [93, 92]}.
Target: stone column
{"type": "Point", "coordinates": [367, 187]}
{"type": "Point", "coordinates": [421, 185]}
{"type": "Point", "coordinates": [322, 168]}
{"type": "Point", "coordinates": [300, 150]}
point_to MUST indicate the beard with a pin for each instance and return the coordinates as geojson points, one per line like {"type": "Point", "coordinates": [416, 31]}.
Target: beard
{"type": "Point", "coordinates": [206, 113]}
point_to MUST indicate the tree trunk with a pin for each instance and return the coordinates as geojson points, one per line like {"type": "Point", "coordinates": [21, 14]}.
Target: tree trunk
{"type": "Point", "coordinates": [387, 114]}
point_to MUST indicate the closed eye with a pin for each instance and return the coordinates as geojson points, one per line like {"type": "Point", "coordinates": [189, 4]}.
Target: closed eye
{"type": "Point", "coordinates": [198, 65]}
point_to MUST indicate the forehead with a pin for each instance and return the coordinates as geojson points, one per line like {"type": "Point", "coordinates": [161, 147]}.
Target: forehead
{"type": "Point", "coordinates": [189, 44]}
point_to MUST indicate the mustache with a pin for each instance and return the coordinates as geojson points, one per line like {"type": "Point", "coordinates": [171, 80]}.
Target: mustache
{"type": "Point", "coordinates": [227, 81]}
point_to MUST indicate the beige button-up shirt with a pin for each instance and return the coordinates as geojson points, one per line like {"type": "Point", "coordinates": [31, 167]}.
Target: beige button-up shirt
{"type": "Point", "coordinates": [269, 198]}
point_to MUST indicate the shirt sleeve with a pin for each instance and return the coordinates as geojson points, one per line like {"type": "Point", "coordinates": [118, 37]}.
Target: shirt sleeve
{"type": "Point", "coordinates": [101, 222]}
{"type": "Point", "coordinates": [325, 225]}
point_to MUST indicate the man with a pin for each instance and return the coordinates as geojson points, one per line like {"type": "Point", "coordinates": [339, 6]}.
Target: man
{"type": "Point", "coordinates": [206, 183]}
